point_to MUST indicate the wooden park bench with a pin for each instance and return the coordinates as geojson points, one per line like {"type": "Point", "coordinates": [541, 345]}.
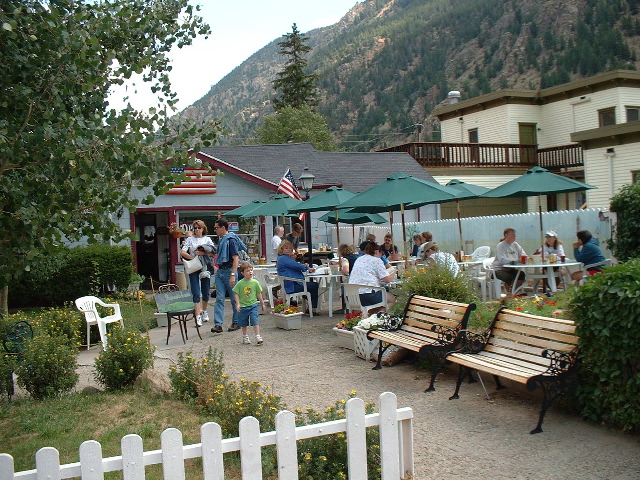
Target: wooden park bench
{"type": "Point", "coordinates": [525, 348]}
{"type": "Point", "coordinates": [430, 327]}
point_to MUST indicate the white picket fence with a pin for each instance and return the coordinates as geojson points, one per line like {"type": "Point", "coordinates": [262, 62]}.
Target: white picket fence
{"type": "Point", "coordinates": [396, 448]}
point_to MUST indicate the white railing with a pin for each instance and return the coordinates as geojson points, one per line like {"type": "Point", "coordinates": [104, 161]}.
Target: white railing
{"type": "Point", "coordinates": [396, 448]}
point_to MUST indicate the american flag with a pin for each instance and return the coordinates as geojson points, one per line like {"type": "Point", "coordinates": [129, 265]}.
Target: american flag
{"type": "Point", "coordinates": [199, 181]}
{"type": "Point", "coordinates": [288, 186]}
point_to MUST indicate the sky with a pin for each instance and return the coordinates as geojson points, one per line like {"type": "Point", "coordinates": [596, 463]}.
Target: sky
{"type": "Point", "coordinates": [239, 29]}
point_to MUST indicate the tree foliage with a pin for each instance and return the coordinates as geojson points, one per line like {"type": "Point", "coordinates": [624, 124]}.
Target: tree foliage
{"type": "Point", "coordinates": [67, 161]}
{"type": "Point", "coordinates": [625, 243]}
{"type": "Point", "coordinates": [297, 125]}
{"type": "Point", "coordinates": [294, 87]}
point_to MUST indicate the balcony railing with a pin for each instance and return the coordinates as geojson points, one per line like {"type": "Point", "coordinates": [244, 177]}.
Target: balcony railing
{"type": "Point", "coordinates": [438, 154]}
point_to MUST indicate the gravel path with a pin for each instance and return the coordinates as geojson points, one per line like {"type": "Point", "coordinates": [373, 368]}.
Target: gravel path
{"type": "Point", "coordinates": [467, 438]}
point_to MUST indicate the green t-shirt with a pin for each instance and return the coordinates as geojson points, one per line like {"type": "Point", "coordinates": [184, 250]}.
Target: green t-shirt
{"type": "Point", "coordinates": [248, 291]}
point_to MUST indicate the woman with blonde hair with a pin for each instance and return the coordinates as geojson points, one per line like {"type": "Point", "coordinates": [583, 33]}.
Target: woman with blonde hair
{"type": "Point", "coordinates": [200, 282]}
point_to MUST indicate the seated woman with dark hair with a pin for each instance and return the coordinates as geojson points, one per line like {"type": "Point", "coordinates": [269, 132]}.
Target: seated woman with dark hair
{"type": "Point", "coordinates": [369, 269]}
{"type": "Point", "coordinates": [288, 267]}
{"type": "Point", "coordinates": [587, 250]}
{"type": "Point", "coordinates": [347, 252]}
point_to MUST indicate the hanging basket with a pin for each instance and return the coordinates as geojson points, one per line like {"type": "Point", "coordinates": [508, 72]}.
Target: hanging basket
{"type": "Point", "coordinates": [176, 234]}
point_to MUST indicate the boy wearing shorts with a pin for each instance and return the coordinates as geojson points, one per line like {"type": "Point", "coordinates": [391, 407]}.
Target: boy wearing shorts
{"type": "Point", "coordinates": [248, 293]}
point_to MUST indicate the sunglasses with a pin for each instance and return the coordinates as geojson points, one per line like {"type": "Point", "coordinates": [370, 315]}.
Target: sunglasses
{"type": "Point", "coordinates": [197, 228]}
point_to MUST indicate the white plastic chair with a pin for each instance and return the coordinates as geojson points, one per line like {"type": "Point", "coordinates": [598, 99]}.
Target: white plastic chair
{"type": "Point", "coordinates": [494, 283]}
{"type": "Point", "coordinates": [87, 305]}
{"type": "Point", "coordinates": [585, 269]}
{"type": "Point", "coordinates": [268, 281]}
{"type": "Point", "coordinates": [352, 298]}
{"type": "Point", "coordinates": [297, 296]}
{"type": "Point", "coordinates": [481, 253]}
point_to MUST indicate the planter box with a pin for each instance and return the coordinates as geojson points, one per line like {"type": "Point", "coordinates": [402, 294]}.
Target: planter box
{"type": "Point", "coordinates": [345, 338]}
{"type": "Point", "coordinates": [161, 318]}
{"type": "Point", "coordinates": [291, 321]}
{"type": "Point", "coordinates": [364, 348]}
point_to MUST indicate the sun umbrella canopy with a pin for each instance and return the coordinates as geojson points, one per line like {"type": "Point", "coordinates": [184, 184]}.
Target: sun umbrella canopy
{"type": "Point", "coordinates": [537, 181]}
{"type": "Point", "coordinates": [278, 205]}
{"type": "Point", "coordinates": [466, 190]}
{"type": "Point", "coordinates": [352, 218]}
{"type": "Point", "coordinates": [330, 199]}
{"type": "Point", "coordinates": [246, 209]}
{"type": "Point", "coordinates": [397, 191]}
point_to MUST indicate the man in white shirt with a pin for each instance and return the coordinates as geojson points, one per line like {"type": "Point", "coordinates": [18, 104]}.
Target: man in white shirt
{"type": "Point", "coordinates": [278, 233]}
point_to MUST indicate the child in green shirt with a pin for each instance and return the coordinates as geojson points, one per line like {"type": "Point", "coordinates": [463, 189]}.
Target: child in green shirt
{"type": "Point", "coordinates": [248, 294]}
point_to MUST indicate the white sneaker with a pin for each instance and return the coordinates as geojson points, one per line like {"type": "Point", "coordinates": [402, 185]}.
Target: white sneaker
{"type": "Point", "coordinates": [259, 340]}
{"type": "Point", "coordinates": [245, 340]}
{"type": "Point", "coordinates": [199, 320]}
{"type": "Point", "coordinates": [205, 316]}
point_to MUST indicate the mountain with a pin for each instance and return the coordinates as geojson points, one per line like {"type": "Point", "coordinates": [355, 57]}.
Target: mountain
{"type": "Point", "coordinates": [387, 63]}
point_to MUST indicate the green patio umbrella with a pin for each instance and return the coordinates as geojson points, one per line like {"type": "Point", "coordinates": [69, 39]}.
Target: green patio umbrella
{"type": "Point", "coordinates": [279, 205]}
{"type": "Point", "coordinates": [353, 219]}
{"type": "Point", "coordinates": [538, 181]}
{"type": "Point", "coordinates": [397, 192]}
{"type": "Point", "coordinates": [327, 200]}
{"type": "Point", "coordinates": [246, 209]}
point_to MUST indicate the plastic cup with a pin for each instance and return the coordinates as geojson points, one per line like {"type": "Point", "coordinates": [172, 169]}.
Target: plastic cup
{"type": "Point", "coordinates": [523, 259]}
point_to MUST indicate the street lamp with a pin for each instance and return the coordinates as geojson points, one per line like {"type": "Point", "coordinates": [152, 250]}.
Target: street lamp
{"type": "Point", "coordinates": [306, 183]}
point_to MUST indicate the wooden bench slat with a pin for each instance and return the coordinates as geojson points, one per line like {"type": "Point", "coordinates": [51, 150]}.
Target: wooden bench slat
{"type": "Point", "coordinates": [520, 337]}
{"type": "Point", "coordinates": [536, 362]}
{"type": "Point", "coordinates": [437, 303]}
{"type": "Point", "coordinates": [511, 364]}
{"type": "Point", "coordinates": [476, 363]}
{"type": "Point", "coordinates": [532, 349]}
{"type": "Point", "coordinates": [428, 322]}
{"type": "Point", "coordinates": [559, 324]}
{"type": "Point", "coordinates": [535, 333]}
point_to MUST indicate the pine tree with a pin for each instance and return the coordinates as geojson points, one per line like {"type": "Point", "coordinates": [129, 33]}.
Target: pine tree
{"type": "Point", "coordinates": [294, 87]}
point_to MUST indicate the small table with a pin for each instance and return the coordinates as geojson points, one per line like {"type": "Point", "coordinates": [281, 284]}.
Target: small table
{"type": "Point", "coordinates": [539, 271]}
{"type": "Point", "coordinates": [333, 279]}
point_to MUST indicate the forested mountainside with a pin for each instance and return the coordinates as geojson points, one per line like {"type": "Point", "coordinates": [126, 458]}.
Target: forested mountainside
{"type": "Point", "coordinates": [388, 63]}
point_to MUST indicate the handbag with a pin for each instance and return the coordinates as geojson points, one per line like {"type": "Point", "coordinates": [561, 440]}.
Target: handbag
{"type": "Point", "coordinates": [192, 266]}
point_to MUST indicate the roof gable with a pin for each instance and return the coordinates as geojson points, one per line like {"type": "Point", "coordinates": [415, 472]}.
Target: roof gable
{"type": "Point", "coordinates": [266, 164]}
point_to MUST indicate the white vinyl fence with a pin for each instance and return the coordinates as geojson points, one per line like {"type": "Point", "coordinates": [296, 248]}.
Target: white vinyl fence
{"type": "Point", "coordinates": [396, 448]}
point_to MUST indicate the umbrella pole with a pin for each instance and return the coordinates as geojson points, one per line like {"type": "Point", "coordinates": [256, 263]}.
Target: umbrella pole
{"type": "Point", "coordinates": [404, 239]}
{"type": "Point", "coordinates": [460, 226]}
{"type": "Point", "coordinates": [541, 229]}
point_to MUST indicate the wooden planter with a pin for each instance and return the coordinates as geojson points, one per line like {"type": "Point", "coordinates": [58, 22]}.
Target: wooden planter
{"type": "Point", "coordinates": [364, 348]}
{"type": "Point", "coordinates": [345, 338]}
{"type": "Point", "coordinates": [290, 321]}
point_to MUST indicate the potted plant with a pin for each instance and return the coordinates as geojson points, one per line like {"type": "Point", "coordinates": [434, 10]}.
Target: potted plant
{"type": "Point", "coordinates": [288, 317]}
{"type": "Point", "coordinates": [344, 329]}
{"type": "Point", "coordinates": [364, 347]}
{"type": "Point", "coordinates": [175, 230]}
{"type": "Point", "coordinates": [135, 280]}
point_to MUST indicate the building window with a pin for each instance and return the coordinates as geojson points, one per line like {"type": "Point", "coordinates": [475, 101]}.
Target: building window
{"type": "Point", "coordinates": [633, 114]}
{"type": "Point", "coordinates": [635, 176]}
{"type": "Point", "coordinates": [473, 135]}
{"type": "Point", "coordinates": [607, 116]}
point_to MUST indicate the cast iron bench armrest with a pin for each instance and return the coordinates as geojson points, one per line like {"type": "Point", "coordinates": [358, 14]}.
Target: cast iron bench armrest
{"type": "Point", "coordinates": [561, 362]}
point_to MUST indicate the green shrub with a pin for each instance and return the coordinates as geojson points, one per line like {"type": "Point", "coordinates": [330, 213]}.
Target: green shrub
{"type": "Point", "coordinates": [226, 401]}
{"type": "Point", "coordinates": [128, 354]}
{"type": "Point", "coordinates": [607, 309]}
{"type": "Point", "coordinates": [70, 273]}
{"type": "Point", "coordinates": [625, 241]}
{"type": "Point", "coordinates": [325, 458]}
{"type": "Point", "coordinates": [48, 367]}
{"type": "Point", "coordinates": [436, 282]}
{"type": "Point", "coordinates": [188, 373]}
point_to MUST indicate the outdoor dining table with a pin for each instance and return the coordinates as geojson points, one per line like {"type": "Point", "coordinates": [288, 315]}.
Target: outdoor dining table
{"type": "Point", "coordinates": [332, 282]}
{"type": "Point", "coordinates": [539, 271]}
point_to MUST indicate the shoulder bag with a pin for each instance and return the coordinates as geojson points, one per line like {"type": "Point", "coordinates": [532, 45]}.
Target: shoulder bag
{"type": "Point", "coordinates": [192, 266]}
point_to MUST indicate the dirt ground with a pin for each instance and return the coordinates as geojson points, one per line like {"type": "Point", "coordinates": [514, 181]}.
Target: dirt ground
{"type": "Point", "coordinates": [467, 438]}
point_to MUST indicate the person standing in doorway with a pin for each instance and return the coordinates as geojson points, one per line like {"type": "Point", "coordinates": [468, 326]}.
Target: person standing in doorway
{"type": "Point", "coordinates": [226, 274]}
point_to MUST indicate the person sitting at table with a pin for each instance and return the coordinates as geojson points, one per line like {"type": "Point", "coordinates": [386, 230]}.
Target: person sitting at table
{"type": "Point", "coordinates": [508, 252]}
{"type": "Point", "coordinates": [294, 236]}
{"type": "Point", "coordinates": [369, 269]}
{"type": "Point", "coordinates": [348, 253]}
{"type": "Point", "coordinates": [552, 246]}
{"type": "Point", "coordinates": [587, 250]}
{"type": "Point", "coordinates": [433, 256]}
{"type": "Point", "coordinates": [417, 241]}
{"type": "Point", "coordinates": [288, 267]}
{"type": "Point", "coordinates": [369, 238]}
{"type": "Point", "coordinates": [388, 248]}
{"type": "Point", "coordinates": [426, 238]}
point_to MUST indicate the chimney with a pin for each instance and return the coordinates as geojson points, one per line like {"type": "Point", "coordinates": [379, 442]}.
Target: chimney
{"type": "Point", "coordinates": [453, 96]}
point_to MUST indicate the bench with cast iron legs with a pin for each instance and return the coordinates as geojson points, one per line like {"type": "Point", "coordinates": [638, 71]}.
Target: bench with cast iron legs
{"type": "Point", "coordinates": [528, 349]}
{"type": "Point", "coordinates": [430, 327]}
